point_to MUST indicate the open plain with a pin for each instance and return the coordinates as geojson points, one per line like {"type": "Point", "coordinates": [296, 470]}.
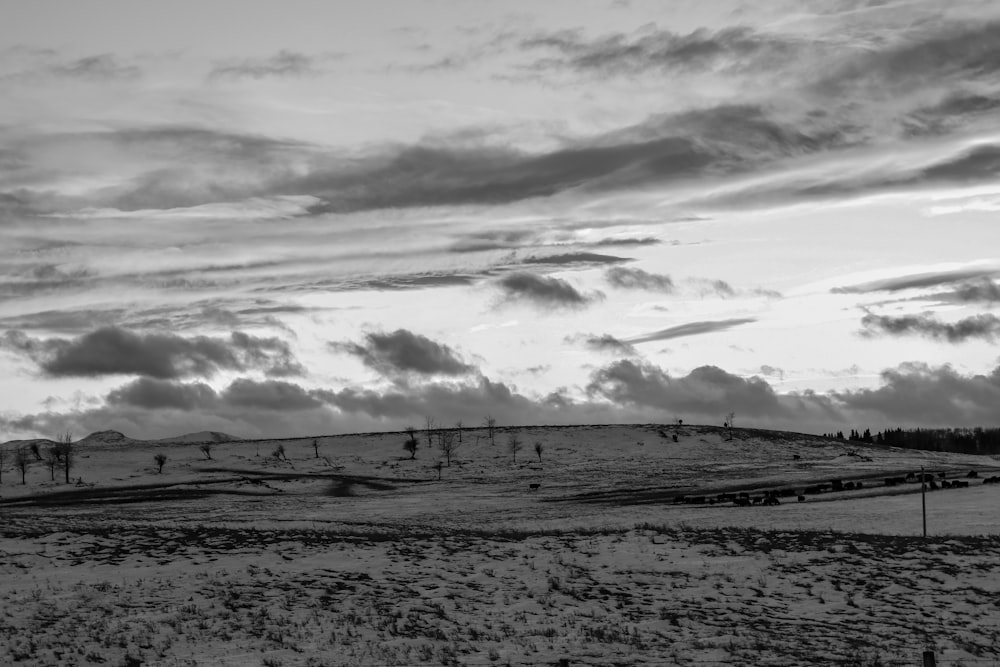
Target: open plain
{"type": "Point", "coordinates": [349, 552]}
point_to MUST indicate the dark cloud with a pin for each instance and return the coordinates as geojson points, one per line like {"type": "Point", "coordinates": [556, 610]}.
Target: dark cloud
{"type": "Point", "coordinates": [102, 67]}
{"type": "Point", "coordinates": [116, 351]}
{"type": "Point", "coordinates": [979, 291]}
{"type": "Point", "coordinates": [282, 64]}
{"type": "Point", "coordinates": [705, 390]}
{"type": "Point", "coordinates": [270, 395]}
{"type": "Point", "coordinates": [719, 288]}
{"type": "Point", "coordinates": [402, 352]}
{"type": "Point", "coordinates": [603, 343]}
{"type": "Point", "coordinates": [916, 281]}
{"type": "Point", "coordinates": [919, 394]}
{"type": "Point", "coordinates": [691, 329]}
{"type": "Point", "coordinates": [628, 278]}
{"type": "Point", "coordinates": [575, 258]}
{"type": "Point", "coordinates": [983, 326]}
{"type": "Point", "coordinates": [651, 49]}
{"type": "Point", "coordinates": [543, 291]}
{"type": "Point", "coordinates": [156, 394]}
{"type": "Point", "coordinates": [643, 241]}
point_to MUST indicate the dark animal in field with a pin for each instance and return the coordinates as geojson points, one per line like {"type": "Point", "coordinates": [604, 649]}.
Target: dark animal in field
{"type": "Point", "coordinates": [911, 477]}
{"type": "Point", "coordinates": [726, 497]}
{"type": "Point", "coordinates": [959, 484]}
{"type": "Point", "coordinates": [785, 493]}
{"type": "Point", "coordinates": [680, 500]}
{"type": "Point", "coordinates": [848, 486]}
{"type": "Point", "coordinates": [696, 500]}
{"type": "Point", "coordinates": [858, 485]}
{"type": "Point", "coordinates": [991, 480]}
{"type": "Point", "coordinates": [811, 490]}
{"type": "Point", "coordinates": [837, 485]}
{"type": "Point", "coordinates": [945, 484]}
{"type": "Point", "coordinates": [534, 487]}
{"type": "Point", "coordinates": [822, 488]}
{"type": "Point", "coordinates": [972, 473]}
{"type": "Point", "coordinates": [674, 437]}
{"type": "Point", "coordinates": [942, 475]}
{"type": "Point", "coordinates": [744, 494]}
{"type": "Point", "coordinates": [772, 500]}
{"type": "Point", "coordinates": [796, 457]}
{"type": "Point", "coordinates": [758, 500]}
{"type": "Point", "coordinates": [932, 485]}
{"type": "Point", "coordinates": [802, 499]}
{"type": "Point", "coordinates": [741, 502]}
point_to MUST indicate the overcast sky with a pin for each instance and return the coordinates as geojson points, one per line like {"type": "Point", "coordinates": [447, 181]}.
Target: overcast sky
{"type": "Point", "coordinates": [311, 217]}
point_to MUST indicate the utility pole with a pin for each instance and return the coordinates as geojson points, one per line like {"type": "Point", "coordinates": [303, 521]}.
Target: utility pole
{"type": "Point", "coordinates": [923, 498]}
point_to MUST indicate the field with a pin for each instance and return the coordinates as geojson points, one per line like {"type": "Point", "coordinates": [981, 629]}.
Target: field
{"type": "Point", "coordinates": [349, 552]}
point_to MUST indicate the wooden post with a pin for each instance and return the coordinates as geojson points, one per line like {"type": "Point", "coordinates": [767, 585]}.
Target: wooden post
{"type": "Point", "coordinates": [929, 659]}
{"type": "Point", "coordinates": [923, 510]}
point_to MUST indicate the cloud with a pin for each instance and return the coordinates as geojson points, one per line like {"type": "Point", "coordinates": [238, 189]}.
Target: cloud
{"type": "Point", "coordinates": [270, 395]}
{"type": "Point", "coordinates": [706, 390]}
{"type": "Point", "coordinates": [917, 281]}
{"type": "Point", "coordinates": [100, 68]}
{"type": "Point", "coordinates": [691, 329]}
{"type": "Point", "coordinates": [403, 352]}
{"type": "Point", "coordinates": [155, 394]}
{"type": "Point", "coordinates": [282, 64]}
{"type": "Point", "coordinates": [628, 278]}
{"type": "Point", "coordinates": [542, 291]}
{"type": "Point", "coordinates": [575, 258]}
{"type": "Point", "coordinates": [655, 49]}
{"type": "Point", "coordinates": [983, 326]}
{"type": "Point", "coordinates": [984, 290]}
{"type": "Point", "coordinates": [916, 393]}
{"type": "Point", "coordinates": [115, 351]}
{"type": "Point", "coordinates": [603, 343]}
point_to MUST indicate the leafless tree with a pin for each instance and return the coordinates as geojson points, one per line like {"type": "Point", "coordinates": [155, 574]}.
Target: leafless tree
{"type": "Point", "coordinates": [206, 449]}
{"type": "Point", "coordinates": [160, 460]}
{"type": "Point", "coordinates": [64, 446]}
{"type": "Point", "coordinates": [514, 445]}
{"type": "Point", "coordinates": [448, 445]}
{"type": "Point", "coordinates": [3, 460]}
{"type": "Point", "coordinates": [438, 466]}
{"type": "Point", "coordinates": [458, 428]}
{"type": "Point", "coordinates": [22, 460]}
{"type": "Point", "coordinates": [429, 429]}
{"type": "Point", "coordinates": [491, 428]}
{"type": "Point", "coordinates": [35, 452]}
{"type": "Point", "coordinates": [730, 419]}
{"type": "Point", "coordinates": [538, 450]}
{"type": "Point", "coordinates": [279, 453]}
{"type": "Point", "coordinates": [411, 444]}
{"type": "Point", "coordinates": [316, 448]}
{"type": "Point", "coordinates": [52, 460]}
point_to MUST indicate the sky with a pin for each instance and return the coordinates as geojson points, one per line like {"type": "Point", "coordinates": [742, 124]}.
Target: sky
{"type": "Point", "coordinates": [306, 218]}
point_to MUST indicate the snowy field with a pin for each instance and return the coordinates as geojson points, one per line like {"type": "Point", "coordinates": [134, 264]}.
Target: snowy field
{"type": "Point", "coordinates": [351, 553]}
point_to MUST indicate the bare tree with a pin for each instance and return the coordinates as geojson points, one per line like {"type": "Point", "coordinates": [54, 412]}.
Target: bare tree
{"type": "Point", "coordinates": [538, 450]}
{"type": "Point", "coordinates": [35, 452]}
{"type": "Point", "coordinates": [438, 466]}
{"type": "Point", "coordinates": [411, 444]}
{"type": "Point", "coordinates": [64, 445]}
{"type": "Point", "coordinates": [429, 429]}
{"type": "Point", "coordinates": [316, 448]}
{"type": "Point", "coordinates": [160, 460]}
{"type": "Point", "coordinates": [514, 445]}
{"type": "Point", "coordinates": [458, 428]}
{"type": "Point", "coordinates": [491, 428]}
{"type": "Point", "coordinates": [448, 445]}
{"type": "Point", "coordinates": [730, 419]}
{"type": "Point", "coordinates": [206, 449]}
{"type": "Point", "coordinates": [3, 459]}
{"type": "Point", "coordinates": [279, 453]}
{"type": "Point", "coordinates": [22, 460]}
{"type": "Point", "coordinates": [52, 461]}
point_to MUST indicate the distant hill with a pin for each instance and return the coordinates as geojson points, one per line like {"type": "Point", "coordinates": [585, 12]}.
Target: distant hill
{"type": "Point", "coordinates": [198, 438]}
{"type": "Point", "coordinates": [107, 438]}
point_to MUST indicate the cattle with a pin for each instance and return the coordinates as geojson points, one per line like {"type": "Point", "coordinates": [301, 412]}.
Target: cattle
{"type": "Point", "coordinates": [726, 497]}
{"type": "Point", "coordinates": [972, 474]}
{"type": "Point", "coordinates": [991, 480]}
{"type": "Point", "coordinates": [848, 486]}
{"type": "Point", "coordinates": [741, 501]}
{"type": "Point", "coordinates": [858, 485]}
{"type": "Point", "coordinates": [757, 500]}
{"type": "Point", "coordinates": [942, 475]}
{"type": "Point", "coordinates": [911, 477]}
{"type": "Point", "coordinates": [696, 500]}
{"type": "Point", "coordinates": [680, 500]}
{"type": "Point", "coordinates": [534, 487]}
{"type": "Point", "coordinates": [959, 484]}
{"type": "Point", "coordinates": [822, 488]}
{"type": "Point", "coordinates": [744, 494]}
{"type": "Point", "coordinates": [811, 490]}
{"type": "Point", "coordinates": [785, 493]}
{"type": "Point", "coordinates": [837, 485]}
{"type": "Point", "coordinates": [796, 457]}
{"type": "Point", "coordinates": [772, 500]}
{"type": "Point", "coordinates": [802, 499]}
{"type": "Point", "coordinates": [945, 484]}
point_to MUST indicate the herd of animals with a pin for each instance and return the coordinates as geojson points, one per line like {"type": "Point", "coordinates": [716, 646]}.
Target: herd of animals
{"type": "Point", "coordinates": [933, 482]}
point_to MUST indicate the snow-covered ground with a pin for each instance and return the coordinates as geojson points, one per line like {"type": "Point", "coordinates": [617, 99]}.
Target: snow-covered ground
{"type": "Point", "coordinates": [362, 556]}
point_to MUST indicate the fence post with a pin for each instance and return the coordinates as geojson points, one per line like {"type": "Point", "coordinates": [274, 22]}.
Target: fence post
{"type": "Point", "coordinates": [929, 659]}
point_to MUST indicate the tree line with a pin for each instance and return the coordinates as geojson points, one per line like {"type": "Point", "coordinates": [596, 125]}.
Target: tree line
{"type": "Point", "coordinates": [977, 440]}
